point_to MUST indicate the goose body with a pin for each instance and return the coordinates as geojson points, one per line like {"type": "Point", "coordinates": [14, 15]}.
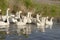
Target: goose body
{"type": "Point", "coordinates": [21, 24]}
{"type": "Point", "coordinates": [49, 23]}
{"type": "Point", "coordinates": [41, 24]}
{"type": "Point", "coordinates": [29, 17]}
{"type": "Point", "coordinates": [5, 24]}
{"type": "Point", "coordinates": [22, 21]}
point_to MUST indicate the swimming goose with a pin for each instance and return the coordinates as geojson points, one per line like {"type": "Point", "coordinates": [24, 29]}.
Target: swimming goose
{"type": "Point", "coordinates": [49, 23]}
{"type": "Point", "coordinates": [5, 24]}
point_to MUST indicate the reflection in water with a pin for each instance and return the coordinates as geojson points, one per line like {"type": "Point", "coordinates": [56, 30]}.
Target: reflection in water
{"type": "Point", "coordinates": [15, 32]}
{"type": "Point", "coordinates": [20, 30]}
{"type": "Point", "coordinates": [32, 32]}
{"type": "Point", "coordinates": [12, 32]}
{"type": "Point", "coordinates": [41, 28]}
{"type": "Point", "coordinates": [26, 30]}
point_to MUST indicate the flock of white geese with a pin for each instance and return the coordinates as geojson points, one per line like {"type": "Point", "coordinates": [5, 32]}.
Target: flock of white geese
{"type": "Point", "coordinates": [43, 22]}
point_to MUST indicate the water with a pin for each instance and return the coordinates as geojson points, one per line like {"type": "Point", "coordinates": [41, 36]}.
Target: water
{"type": "Point", "coordinates": [33, 33]}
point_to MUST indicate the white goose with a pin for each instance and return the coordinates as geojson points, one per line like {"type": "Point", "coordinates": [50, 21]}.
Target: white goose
{"type": "Point", "coordinates": [29, 17]}
{"type": "Point", "coordinates": [5, 24]}
{"type": "Point", "coordinates": [22, 22]}
{"type": "Point", "coordinates": [37, 17]}
{"type": "Point", "coordinates": [35, 20]}
{"type": "Point", "coordinates": [49, 23]}
{"type": "Point", "coordinates": [12, 19]}
{"type": "Point", "coordinates": [18, 14]}
{"type": "Point", "coordinates": [4, 17]}
{"type": "Point", "coordinates": [41, 24]}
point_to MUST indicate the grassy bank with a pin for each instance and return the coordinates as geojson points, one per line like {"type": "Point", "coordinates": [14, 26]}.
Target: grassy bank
{"type": "Point", "coordinates": [29, 5]}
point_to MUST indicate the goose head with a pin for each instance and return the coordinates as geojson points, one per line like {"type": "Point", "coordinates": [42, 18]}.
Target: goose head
{"type": "Point", "coordinates": [8, 8]}
{"type": "Point", "coordinates": [20, 11]}
{"type": "Point", "coordinates": [37, 15]}
{"type": "Point", "coordinates": [0, 10]}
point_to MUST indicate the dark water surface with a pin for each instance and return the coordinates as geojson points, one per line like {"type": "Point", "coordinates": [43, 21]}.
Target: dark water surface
{"type": "Point", "coordinates": [35, 34]}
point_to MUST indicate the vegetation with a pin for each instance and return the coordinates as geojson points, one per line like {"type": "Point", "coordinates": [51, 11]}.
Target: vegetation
{"type": "Point", "coordinates": [2, 35]}
{"type": "Point", "coordinates": [3, 5]}
{"type": "Point", "coordinates": [29, 5]}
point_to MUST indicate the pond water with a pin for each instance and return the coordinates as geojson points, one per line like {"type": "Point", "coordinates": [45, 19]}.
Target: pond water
{"type": "Point", "coordinates": [33, 33]}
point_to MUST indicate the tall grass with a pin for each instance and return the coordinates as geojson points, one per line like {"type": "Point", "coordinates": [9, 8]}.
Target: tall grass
{"type": "Point", "coordinates": [3, 5]}
{"type": "Point", "coordinates": [29, 5]}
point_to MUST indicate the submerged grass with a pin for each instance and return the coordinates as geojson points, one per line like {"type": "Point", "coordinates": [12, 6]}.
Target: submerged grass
{"type": "Point", "coordinates": [2, 35]}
